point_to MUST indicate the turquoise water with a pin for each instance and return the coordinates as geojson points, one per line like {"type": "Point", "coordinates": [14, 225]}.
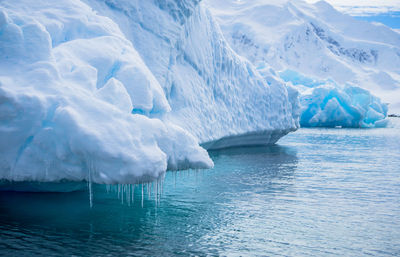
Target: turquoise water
{"type": "Point", "coordinates": [319, 192]}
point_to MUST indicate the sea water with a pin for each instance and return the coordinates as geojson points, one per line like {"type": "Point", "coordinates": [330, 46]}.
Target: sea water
{"type": "Point", "coordinates": [318, 192]}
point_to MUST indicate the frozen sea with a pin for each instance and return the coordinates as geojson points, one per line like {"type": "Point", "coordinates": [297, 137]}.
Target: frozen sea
{"type": "Point", "coordinates": [318, 192]}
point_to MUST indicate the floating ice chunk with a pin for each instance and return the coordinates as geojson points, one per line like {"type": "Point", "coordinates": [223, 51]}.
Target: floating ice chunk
{"type": "Point", "coordinates": [327, 104]}
{"type": "Point", "coordinates": [125, 92]}
{"type": "Point", "coordinates": [330, 106]}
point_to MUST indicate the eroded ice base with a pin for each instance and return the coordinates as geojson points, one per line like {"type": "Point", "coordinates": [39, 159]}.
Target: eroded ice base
{"type": "Point", "coordinates": [265, 137]}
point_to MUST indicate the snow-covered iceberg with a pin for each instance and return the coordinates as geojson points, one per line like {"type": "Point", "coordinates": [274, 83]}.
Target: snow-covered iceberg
{"type": "Point", "coordinates": [120, 91]}
{"type": "Point", "coordinates": [68, 84]}
{"type": "Point", "coordinates": [316, 40]}
{"type": "Point", "coordinates": [214, 93]}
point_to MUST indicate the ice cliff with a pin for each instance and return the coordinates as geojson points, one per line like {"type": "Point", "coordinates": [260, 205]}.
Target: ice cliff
{"type": "Point", "coordinates": [213, 93]}
{"type": "Point", "coordinates": [120, 91]}
{"type": "Point", "coordinates": [321, 44]}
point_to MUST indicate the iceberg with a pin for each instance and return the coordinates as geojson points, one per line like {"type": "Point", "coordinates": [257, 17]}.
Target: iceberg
{"type": "Point", "coordinates": [330, 106]}
{"type": "Point", "coordinates": [324, 103]}
{"type": "Point", "coordinates": [213, 93]}
{"type": "Point", "coordinates": [118, 92]}
{"type": "Point", "coordinates": [66, 104]}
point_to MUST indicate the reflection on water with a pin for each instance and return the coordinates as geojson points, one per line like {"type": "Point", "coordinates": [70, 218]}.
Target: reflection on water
{"type": "Point", "coordinates": [320, 192]}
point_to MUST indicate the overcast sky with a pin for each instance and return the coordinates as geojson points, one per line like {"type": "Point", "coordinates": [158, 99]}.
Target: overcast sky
{"type": "Point", "coordinates": [364, 7]}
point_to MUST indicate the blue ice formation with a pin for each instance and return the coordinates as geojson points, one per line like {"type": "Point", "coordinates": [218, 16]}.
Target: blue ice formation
{"type": "Point", "coordinates": [330, 106]}
{"type": "Point", "coordinates": [324, 103]}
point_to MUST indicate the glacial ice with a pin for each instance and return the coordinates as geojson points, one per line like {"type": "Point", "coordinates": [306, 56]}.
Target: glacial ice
{"type": "Point", "coordinates": [213, 93]}
{"type": "Point", "coordinates": [66, 104]}
{"type": "Point", "coordinates": [330, 106]}
{"type": "Point", "coordinates": [324, 103]}
{"type": "Point", "coordinates": [120, 91]}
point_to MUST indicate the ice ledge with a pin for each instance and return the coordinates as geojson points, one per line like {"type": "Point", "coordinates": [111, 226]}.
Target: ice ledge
{"type": "Point", "coordinates": [264, 137]}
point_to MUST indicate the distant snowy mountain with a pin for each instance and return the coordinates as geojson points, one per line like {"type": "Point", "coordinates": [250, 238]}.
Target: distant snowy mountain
{"type": "Point", "coordinates": [317, 42]}
{"type": "Point", "coordinates": [119, 91]}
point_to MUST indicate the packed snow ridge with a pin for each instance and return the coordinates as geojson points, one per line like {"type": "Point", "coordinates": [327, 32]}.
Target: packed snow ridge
{"type": "Point", "coordinates": [312, 44]}
{"type": "Point", "coordinates": [120, 91]}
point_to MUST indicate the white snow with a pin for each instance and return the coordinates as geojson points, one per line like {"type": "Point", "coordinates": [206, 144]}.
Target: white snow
{"type": "Point", "coordinates": [68, 85]}
{"type": "Point", "coordinates": [315, 40]}
{"type": "Point", "coordinates": [213, 93]}
{"type": "Point", "coordinates": [120, 91]}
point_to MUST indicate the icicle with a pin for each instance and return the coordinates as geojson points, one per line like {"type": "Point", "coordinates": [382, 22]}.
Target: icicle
{"type": "Point", "coordinates": [159, 184]}
{"type": "Point", "coordinates": [119, 189]}
{"type": "Point", "coordinates": [90, 183]}
{"type": "Point", "coordinates": [90, 167]}
{"type": "Point", "coordinates": [161, 187]}
{"type": "Point", "coordinates": [122, 194]}
{"type": "Point", "coordinates": [142, 195]}
{"type": "Point", "coordinates": [133, 194]}
{"type": "Point", "coordinates": [90, 194]}
{"type": "Point", "coordinates": [175, 179]}
{"type": "Point", "coordinates": [128, 194]}
{"type": "Point", "coordinates": [155, 192]}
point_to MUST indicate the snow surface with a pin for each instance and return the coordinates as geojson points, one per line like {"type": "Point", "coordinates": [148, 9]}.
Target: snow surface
{"type": "Point", "coordinates": [120, 91]}
{"type": "Point", "coordinates": [213, 93]}
{"type": "Point", "coordinates": [314, 40]}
